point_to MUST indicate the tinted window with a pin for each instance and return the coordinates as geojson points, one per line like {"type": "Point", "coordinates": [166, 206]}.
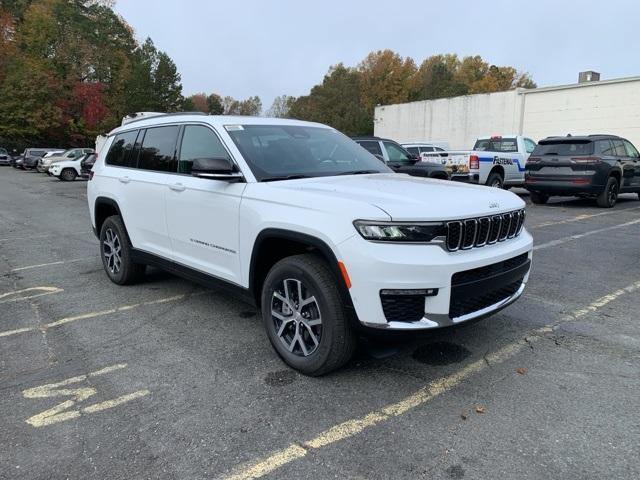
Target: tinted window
{"type": "Point", "coordinates": [631, 150]}
{"type": "Point", "coordinates": [199, 142]}
{"type": "Point", "coordinates": [120, 152]}
{"type": "Point", "coordinates": [158, 152]}
{"type": "Point", "coordinates": [414, 150]}
{"type": "Point", "coordinates": [371, 146]}
{"type": "Point", "coordinates": [496, 145]}
{"type": "Point", "coordinates": [396, 153]}
{"type": "Point", "coordinates": [529, 145]}
{"type": "Point", "coordinates": [620, 151]}
{"type": "Point", "coordinates": [564, 148]}
{"type": "Point", "coordinates": [37, 153]}
{"type": "Point", "coordinates": [425, 149]}
{"type": "Point", "coordinates": [275, 151]}
{"type": "Point", "coordinates": [604, 147]}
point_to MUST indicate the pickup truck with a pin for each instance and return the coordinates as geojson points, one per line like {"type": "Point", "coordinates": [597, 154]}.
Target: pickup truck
{"type": "Point", "coordinates": [496, 161]}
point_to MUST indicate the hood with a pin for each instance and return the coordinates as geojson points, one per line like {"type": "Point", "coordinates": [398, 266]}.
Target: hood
{"type": "Point", "coordinates": [404, 197]}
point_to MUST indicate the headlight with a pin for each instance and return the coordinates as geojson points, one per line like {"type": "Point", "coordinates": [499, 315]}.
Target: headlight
{"type": "Point", "coordinates": [400, 232]}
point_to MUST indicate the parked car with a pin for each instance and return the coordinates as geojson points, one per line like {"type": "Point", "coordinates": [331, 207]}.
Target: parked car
{"type": "Point", "coordinates": [593, 166]}
{"type": "Point", "coordinates": [69, 170]}
{"type": "Point", "coordinates": [32, 156]}
{"type": "Point", "coordinates": [5, 158]}
{"type": "Point", "coordinates": [86, 163]}
{"type": "Point", "coordinates": [496, 161]}
{"type": "Point", "coordinates": [422, 148]}
{"type": "Point", "coordinates": [16, 162]}
{"type": "Point", "coordinates": [65, 155]}
{"type": "Point", "coordinates": [299, 220]}
{"type": "Point", "coordinates": [399, 159]}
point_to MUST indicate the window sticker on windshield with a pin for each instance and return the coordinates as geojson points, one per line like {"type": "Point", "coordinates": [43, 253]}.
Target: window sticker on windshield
{"type": "Point", "coordinates": [233, 128]}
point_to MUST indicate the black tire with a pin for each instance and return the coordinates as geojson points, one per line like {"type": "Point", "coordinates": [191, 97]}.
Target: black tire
{"type": "Point", "coordinates": [609, 196]}
{"type": "Point", "coordinates": [538, 198]}
{"type": "Point", "coordinates": [495, 180]}
{"type": "Point", "coordinates": [335, 337]}
{"type": "Point", "coordinates": [127, 272]}
{"type": "Point", "coordinates": [68, 175]}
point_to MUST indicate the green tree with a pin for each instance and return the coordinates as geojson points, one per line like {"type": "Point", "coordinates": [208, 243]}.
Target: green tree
{"type": "Point", "coordinates": [166, 84]}
{"type": "Point", "coordinates": [281, 106]}
{"type": "Point", "coordinates": [214, 104]}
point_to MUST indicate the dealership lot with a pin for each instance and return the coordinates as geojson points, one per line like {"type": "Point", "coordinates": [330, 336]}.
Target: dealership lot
{"type": "Point", "coordinates": [167, 379]}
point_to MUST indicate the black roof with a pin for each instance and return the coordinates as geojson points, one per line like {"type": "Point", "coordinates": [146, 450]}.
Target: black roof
{"type": "Point", "coordinates": [580, 138]}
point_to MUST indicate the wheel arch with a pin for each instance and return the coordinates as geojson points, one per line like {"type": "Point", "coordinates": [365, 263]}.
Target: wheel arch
{"type": "Point", "coordinates": [497, 169]}
{"type": "Point", "coordinates": [274, 244]}
{"type": "Point", "coordinates": [104, 207]}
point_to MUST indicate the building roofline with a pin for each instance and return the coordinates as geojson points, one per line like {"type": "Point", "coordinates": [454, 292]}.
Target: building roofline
{"type": "Point", "coordinates": [528, 91]}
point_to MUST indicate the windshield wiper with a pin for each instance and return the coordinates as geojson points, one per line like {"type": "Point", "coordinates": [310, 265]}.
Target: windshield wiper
{"type": "Point", "coordinates": [284, 177]}
{"type": "Point", "coordinates": [359, 172]}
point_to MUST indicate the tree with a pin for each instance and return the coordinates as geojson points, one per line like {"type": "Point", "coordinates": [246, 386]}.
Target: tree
{"type": "Point", "coordinates": [199, 101]}
{"type": "Point", "coordinates": [281, 106]}
{"type": "Point", "coordinates": [252, 106]}
{"type": "Point", "coordinates": [337, 101]}
{"type": "Point", "coordinates": [214, 104]}
{"type": "Point", "coordinates": [166, 83]}
{"type": "Point", "coordinates": [385, 78]}
{"type": "Point", "coordinates": [436, 78]}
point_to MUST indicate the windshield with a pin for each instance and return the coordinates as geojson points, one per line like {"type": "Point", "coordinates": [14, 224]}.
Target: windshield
{"type": "Point", "coordinates": [36, 153]}
{"type": "Point", "coordinates": [3, 152]}
{"type": "Point", "coordinates": [280, 151]}
{"type": "Point", "coordinates": [564, 148]}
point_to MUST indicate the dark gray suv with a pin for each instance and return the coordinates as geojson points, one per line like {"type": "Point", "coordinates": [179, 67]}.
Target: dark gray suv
{"type": "Point", "coordinates": [595, 166]}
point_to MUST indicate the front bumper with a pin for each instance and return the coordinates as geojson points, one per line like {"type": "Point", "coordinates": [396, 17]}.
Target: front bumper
{"type": "Point", "coordinates": [376, 267]}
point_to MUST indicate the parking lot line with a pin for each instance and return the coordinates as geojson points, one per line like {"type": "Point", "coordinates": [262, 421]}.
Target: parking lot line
{"type": "Point", "coordinates": [16, 295]}
{"type": "Point", "coordinates": [44, 235]}
{"type": "Point", "coordinates": [434, 389]}
{"type": "Point", "coordinates": [570, 238]}
{"type": "Point", "coordinates": [84, 316]}
{"type": "Point", "coordinates": [40, 265]}
{"type": "Point", "coordinates": [584, 216]}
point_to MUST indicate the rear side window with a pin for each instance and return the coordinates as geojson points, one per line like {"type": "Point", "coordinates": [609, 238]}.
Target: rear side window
{"type": "Point", "coordinates": [199, 142]}
{"type": "Point", "coordinates": [605, 147]}
{"type": "Point", "coordinates": [371, 146]}
{"type": "Point", "coordinates": [414, 150]}
{"type": "Point", "coordinates": [529, 145]}
{"type": "Point", "coordinates": [564, 148]}
{"type": "Point", "coordinates": [425, 149]}
{"type": "Point", "coordinates": [158, 152]}
{"type": "Point", "coordinates": [396, 153]}
{"type": "Point", "coordinates": [496, 145]}
{"type": "Point", "coordinates": [120, 152]}
{"type": "Point", "coordinates": [620, 151]}
{"type": "Point", "coordinates": [631, 150]}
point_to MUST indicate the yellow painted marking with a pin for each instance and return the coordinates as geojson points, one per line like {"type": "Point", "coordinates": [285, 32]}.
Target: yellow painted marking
{"type": "Point", "coordinates": [427, 393]}
{"type": "Point", "coordinates": [18, 295]}
{"type": "Point", "coordinates": [560, 241]}
{"type": "Point", "coordinates": [99, 407]}
{"type": "Point", "coordinates": [84, 316]}
{"type": "Point", "coordinates": [41, 265]}
{"type": "Point", "coordinates": [584, 216]}
{"type": "Point", "coordinates": [62, 411]}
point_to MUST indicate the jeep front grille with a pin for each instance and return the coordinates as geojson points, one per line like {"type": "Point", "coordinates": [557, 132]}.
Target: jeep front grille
{"type": "Point", "coordinates": [478, 232]}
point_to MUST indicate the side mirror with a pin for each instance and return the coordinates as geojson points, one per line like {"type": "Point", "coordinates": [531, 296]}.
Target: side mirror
{"type": "Point", "coordinates": [216, 168]}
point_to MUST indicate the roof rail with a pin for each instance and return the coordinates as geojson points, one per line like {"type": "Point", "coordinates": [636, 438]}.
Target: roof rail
{"type": "Point", "coordinates": [160, 115]}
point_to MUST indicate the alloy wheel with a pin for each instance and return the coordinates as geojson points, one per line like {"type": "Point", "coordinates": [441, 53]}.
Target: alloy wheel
{"type": "Point", "coordinates": [296, 317]}
{"type": "Point", "coordinates": [612, 193]}
{"type": "Point", "coordinates": [112, 250]}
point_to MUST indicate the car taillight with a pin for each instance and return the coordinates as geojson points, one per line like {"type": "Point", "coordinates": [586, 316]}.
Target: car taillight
{"type": "Point", "coordinates": [474, 162]}
{"type": "Point", "coordinates": [533, 160]}
{"type": "Point", "coordinates": [586, 160]}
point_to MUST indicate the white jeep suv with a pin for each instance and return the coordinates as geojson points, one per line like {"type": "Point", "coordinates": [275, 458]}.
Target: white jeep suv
{"type": "Point", "coordinates": [304, 223]}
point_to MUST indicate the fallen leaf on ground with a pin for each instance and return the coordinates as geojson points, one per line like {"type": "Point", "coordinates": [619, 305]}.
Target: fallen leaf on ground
{"type": "Point", "coordinates": [464, 415]}
{"type": "Point", "coordinates": [521, 370]}
{"type": "Point", "coordinates": [480, 409]}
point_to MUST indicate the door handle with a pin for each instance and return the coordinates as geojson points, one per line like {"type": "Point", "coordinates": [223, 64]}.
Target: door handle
{"type": "Point", "coordinates": [177, 187]}
{"type": "Point", "coordinates": [124, 179]}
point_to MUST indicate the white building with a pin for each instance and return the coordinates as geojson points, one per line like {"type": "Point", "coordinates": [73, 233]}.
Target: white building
{"type": "Point", "coordinates": [610, 106]}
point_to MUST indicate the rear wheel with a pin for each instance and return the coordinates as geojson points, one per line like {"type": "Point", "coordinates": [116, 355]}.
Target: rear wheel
{"type": "Point", "coordinates": [304, 317]}
{"type": "Point", "coordinates": [538, 198]}
{"type": "Point", "coordinates": [495, 180]}
{"type": "Point", "coordinates": [115, 250]}
{"type": "Point", "coordinates": [609, 195]}
{"type": "Point", "coordinates": [68, 174]}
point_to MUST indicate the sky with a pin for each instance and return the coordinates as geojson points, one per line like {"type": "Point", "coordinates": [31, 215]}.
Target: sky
{"type": "Point", "coordinates": [274, 47]}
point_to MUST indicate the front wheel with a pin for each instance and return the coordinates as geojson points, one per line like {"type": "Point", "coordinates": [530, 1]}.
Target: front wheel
{"type": "Point", "coordinates": [609, 196]}
{"type": "Point", "coordinates": [115, 250]}
{"type": "Point", "coordinates": [68, 175]}
{"type": "Point", "coordinates": [304, 317]}
{"type": "Point", "coordinates": [495, 180]}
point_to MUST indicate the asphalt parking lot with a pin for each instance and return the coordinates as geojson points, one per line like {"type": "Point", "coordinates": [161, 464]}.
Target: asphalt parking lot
{"type": "Point", "coordinates": [167, 379]}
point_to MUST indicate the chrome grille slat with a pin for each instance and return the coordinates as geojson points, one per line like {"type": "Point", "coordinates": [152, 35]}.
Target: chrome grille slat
{"type": "Point", "coordinates": [477, 232]}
